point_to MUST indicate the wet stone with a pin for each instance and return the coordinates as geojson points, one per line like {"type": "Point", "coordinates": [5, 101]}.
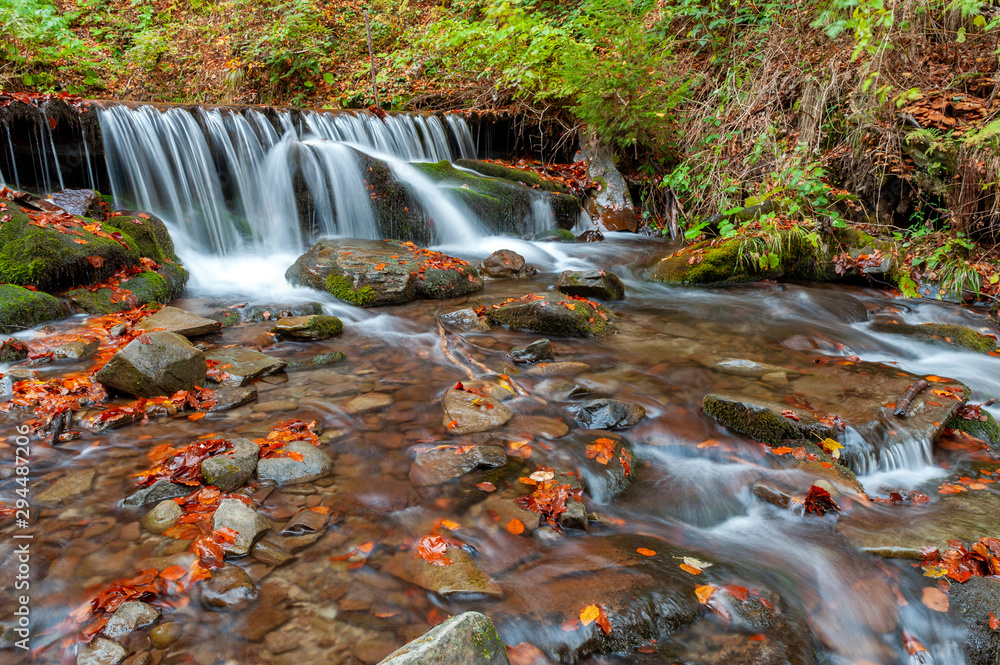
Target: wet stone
{"type": "Point", "coordinates": [159, 363]}
{"type": "Point", "coordinates": [602, 284]}
{"type": "Point", "coordinates": [322, 360]}
{"type": "Point", "coordinates": [156, 493]}
{"type": "Point", "coordinates": [436, 467]}
{"type": "Point", "coordinates": [163, 516]}
{"type": "Point", "coordinates": [80, 348]}
{"type": "Point", "coordinates": [973, 601]}
{"type": "Point", "coordinates": [101, 651]}
{"type": "Point", "coordinates": [466, 639]}
{"type": "Point", "coordinates": [229, 589]}
{"type": "Point", "coordinates": [239, 366]}
{"type": "Point", "coordinates": [13, 350]}
{"type": "Point", "coordinates": [286, 471]}
{"type": "Point", "coordinates": [129, 616]}
{"type": "Point", "coordinates": [309, 328]}
{"type": "Point", "coordinates": [462, 577]}
{"type": "Point", "coordinates": [750, 368]}
{"type": "Point", "coordinates": [547, 314]}
{"type": "Point", "coordinates": [465, 413]}
{"type": "Point", "coordinates": [366, 402]}
{"type": "Point", "coordinates": [71, 485]}
{"type": "Point", "coordinates": [230, 470]}
{"type": "Point", "coordinates": [609, 414]}
{"type": "Point", "coordinates": [165, 634]}
{"type": "Point", "coordinates": [465, 320]}
{"type": "Point", "coordinates": [559, 368]}
{"type": "Point", "coordinates": [276, 312]}
{"type": "Point", "coordinates": [176, 320]}
{"type": "Point", "coordinates": [541, 426]}
{"type": "Point", "coordinates": [230, 398]}
{"type": "Point", "coordinates": [139, 658]}
{"type": "Point", "coordinates": [248, 524]}
{"type": "Point", "coordinates": [505, 264]}
{"type": "Point", "coordinates": [538, 351]}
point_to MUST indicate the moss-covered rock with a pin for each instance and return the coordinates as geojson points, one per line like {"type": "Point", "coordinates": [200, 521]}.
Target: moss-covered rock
{"type": "Point", "coordinates": [760, 422]}
{"type": "Point", "coordinates": [548, 314]}
{"type": "Point", "coordinates": [315, 327]}
{"type": "Point", "coordinates": [983, 427]}
{"type": "Point", "coordinates": [51, 260]}
{"type": "Point", "coordinates": [22, 308]}
{"type": "Point", "coordinates": [942, 333]}
{"type": "Point", "coordinates": [524, 177]}
{"type": "Point", "coordinates": [322, 360]}
{"type": "Point", "coordinates": [371, 273]}
{"type": "Point", "coordinates": [146, 233]}
{"type": "Point", "coordinates": [149, 287]}
{"type": "Point", "coordinates": [554, 235]}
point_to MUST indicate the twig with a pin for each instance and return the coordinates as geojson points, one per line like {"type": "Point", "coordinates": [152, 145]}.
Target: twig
{"type": "Point", "coordinates": [444, 347]}
{"type": "Point", "coordinates": [903, 403]}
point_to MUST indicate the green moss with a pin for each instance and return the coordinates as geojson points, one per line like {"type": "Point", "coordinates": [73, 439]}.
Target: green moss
{"type": "Point", "coordinates": [22, 308]}
{"type": "Point", "coordinates": [226, 317]}
{"type": "Point", "coordinates": [149, 236]}
{"type": "Point", "coordinates": [340, 287]}
{"type": "Point", "coordinates": [552, 318]}
{"type": "Point", "coordinates": [527, 178]}
{"type": "Point", "coordinates": [986, 430]}
{"type": "Point", "coordinates": [50, 260]}
{"type": "Point", "coordinates": [147, 287]}
{"type": "Point", "coordinates": [757, 422]}
{"type": "Point", "coordinates": [958, 336]}
{"type": "Point", "coordinates": [555, 235]}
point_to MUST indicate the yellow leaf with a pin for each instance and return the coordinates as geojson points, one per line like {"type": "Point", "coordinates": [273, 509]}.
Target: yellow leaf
{"type": "Point", "coordinates": [589, 614]}
{"type": "Point", "coordinates": [704, 592]}
{"type": "Point", "coordinates": [831, 446]}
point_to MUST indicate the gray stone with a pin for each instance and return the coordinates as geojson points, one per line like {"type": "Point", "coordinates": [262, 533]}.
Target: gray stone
{"type": "Point", "coordinates": [973, 601]}
{"type": "Point", "coordinates": [163, 516]}
{"type": "Point", "coordinates": [610, 203]}
{"type": "Point", "coordinates": [230, 398]}
{"type": "Point", "coordinates": [602, 284]}
{"type": "Point", "coordinates": [129, 616]}
{"type": "Point", "coordinates": [609, 414]}
{"type": "Point", "coordinates": [465, 413]}
{"type": "Point", "coordinates": [276, 312]}
{"type": "Point", "coordinates": [537, 351]}
{"type": "Point", "coordinates": [466, 639]}
{"type": "Point", "coordinates": [436, 467]}
{"type": "Point", "coordinates": [322, 360]}
{"type": "Point", "coordinates": [466, 320]}
{"type": "Point", "coordinates": [157, 492]}
{"type": "Point", "coordinates": [73, 484]}
{"type": "Point", "coordinates": [101, 651]}
{"type": "Point", "coordinates": [158, 363]}
{"type": "Point", "coordinates": [559, 369]}
{"type": "Point", "coordinates": [248, 524]}
{"type": "Point", "coordinates": [176, 320]}
{"type": "Point", "coordinates": [309, 328]}
{"type": "Point", "coordinates": [229, 589]}
{"type": "Point", "coordinates": [78, 202]}
{"type": "Point", "coordinates": [286, 471]}
{"type": "Point", "coordinates": [744, 367]}
{"type": "Point", "coordinates": [80, 348]}
{"type": "Point", "coordinates": [505, 264]}
{"type": "Point", "coordinates": [230, 470]}
{"type": "Point", "coordinates": [239, 366]}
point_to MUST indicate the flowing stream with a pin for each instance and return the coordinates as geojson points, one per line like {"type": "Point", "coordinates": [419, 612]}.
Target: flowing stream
{"type": "Point", "coordinates": [209, 172]}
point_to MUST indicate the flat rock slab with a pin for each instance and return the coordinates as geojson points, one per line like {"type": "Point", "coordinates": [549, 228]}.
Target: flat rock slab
{"type": "Point", "coordinates": [371, 273]}
{"type": "Point", "coordinates": [852, 403]}
{"type": "Point", "coordinates": [73, 484]}
{"type": "Point", "coordinates": [466, 639]}
{"type": "Point", "coordinates": [465, 412]}
{"type": "Point", "coordinates": [158, 363]}
{"type": "Point", "coordinates": [129, 616]}
{"type": "Point", "coordinates": [239, 366]}
{"type": "Point", "coordinates": [230, 398]}
{"type": "Point", "coordinates": [902, 531]}
{"type": "Point", "coordinates": [438, 466]}
{"type": "Point", "coordinates": [287, 471]}
{"type": "Point", "coordinates": [541, 426]}
{"type": "Point", "coordinates": [158, 491]}
{"type": "Point", "coordinates": [101, 651]}
{"type": "Point", "coordinates": [466, 320]}
{"type": "Point", "coordinates": [462, 577]}
{"type": "Point", "coordinates": [366, 402]}
{"type": "Point", "coordinates": [551, 314]}
{"type": "Point", "coordinates": [309, 328]}
{"type": "Point", "coordinates": [182, 322]}
{"type": "Point", "coordinates": [602, 284]}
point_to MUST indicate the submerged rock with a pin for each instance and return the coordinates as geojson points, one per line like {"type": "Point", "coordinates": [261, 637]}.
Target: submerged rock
{"type": "Point", "coordinates": [850, 403]}
{"type": "Point", "coordinates": [549, 315]}
{"type": "Point", "coordinates": [22, 308]}
{"type": "Point", "coordinates": [159, 363]}
{"type": "Point", "coordinates": [942, 333]}
{"type": "Point", "coordinates": [505, 264]}
{"type": "Point", "coordinates": [100, 651]}
{"type": "Point", "coordinates": [129, 616]}
{"type": "Point", "coordinates": [465, 413]}
{"type": "Point", "coordinates": [602, 284]}
{"type": "Point", "coordinates": [310, 328]}
{"type": "Point", "coordinates": [466, 639]}
{"type": "Point", "coordinates": [239, 366]}
{"type": "Point", "coordinates": [182, 322]}
{"type": "Point", "coordinates": [163, 516]}
{"type": "Point", "coordinates": [609, 414]}
{"type": "Point", "coordinates": [230, 398]}
{"type": "Point", "coordinates": [554, 235]}
{"type": "Point", "coordinates": [155, 493]}
{"type": "Point", "coordinates": [461, 577]}
{"type": "Point", "coordinates": [370, 273]}
{"type": "Point", "coordinates": [537, 351]}
{"type": "Point", "coordinates": [466, 320]}
{"type": "Point", "coordinates": [229, 589]}
{"type": "Point", "coordinates": [322, 360]}
{"type": "Point", "coordinates": [436, 467]}
{"type": "Point", "coordinates": [79, 348]}
{"type": "Point", "coordinates": [73, 484]}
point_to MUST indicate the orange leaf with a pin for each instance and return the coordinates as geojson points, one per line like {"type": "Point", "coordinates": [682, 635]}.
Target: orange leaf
{"type": "Point", "coordinates": [690, 569]}
{"type": "Point", "coordinates": [487, 486]}
{"type": "Point", "coordinates": [322, 510]}
{"type": "Point", "coordinates": [173, 572]}
{"type": "Point", "coordinates": [783, 450]}
{"type": "Point", "coordinates": [80, 241]}
{"type": "Point", "coordinates": [935, 599]}
{"type": "Point", "coordinates": [453, 424]}
{"type": "Point", "coordinates": [936, 379]}
{"type": "Point", "coordinates": [366, 548]}
{"type": "Point", "coordinates": [515, 527]}
{"type": "Point", "coordinates": [711, 443]}
{"type": "Point", "coordinates": [645, 552]}
{"type": "Point", "coordinates": [704, 592]}
{"type": "Point", "coordinates": [994, 622]}
{"type": "Point", "coordinates": [197, 416]}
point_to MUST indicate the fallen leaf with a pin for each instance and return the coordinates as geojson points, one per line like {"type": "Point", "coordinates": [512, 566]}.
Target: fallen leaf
{"type": "Point", "coordinates": [704, 592]}
{"type": "Point", "coordinates": [487, 486]}
{"type": "Point", "coordinates": [935, 599]}
{"type": "Point", "coordinates": [645, 552]}
{"type": "Point", "coordinates": [515, 526]}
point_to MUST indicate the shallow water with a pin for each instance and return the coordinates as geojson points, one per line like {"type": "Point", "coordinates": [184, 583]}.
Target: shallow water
{"type": "Point", "coordinates": [848, 605]}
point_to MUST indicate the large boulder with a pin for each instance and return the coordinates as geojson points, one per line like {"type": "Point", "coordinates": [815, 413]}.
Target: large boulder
{"type": "Point", "coordinates": [79, 202]}
{"type": "Point", "coordinates": [370, 273]}
{"type": "Point", "coordinates": [975, 602]}
{"type": "Point", "coordinates": [505, 264]}
{"type": "Point", "coordinates": [610, 202]}
{"type": "Point", "coordinates": [22, 308]}
{"type": "Point", "coordinates": [466, 639]}
{"type": "Point", "coordinates": [851, 403]}
{"type": "Point", "coordinates": [548, 314]}
{"type": "Point", "coordinates": [149, 287]}
{"type": "Point", "coordinates": [158, 363]}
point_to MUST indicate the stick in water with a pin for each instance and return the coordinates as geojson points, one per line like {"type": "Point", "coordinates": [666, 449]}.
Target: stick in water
{"type": "Point", "coordinates": [903, 404]}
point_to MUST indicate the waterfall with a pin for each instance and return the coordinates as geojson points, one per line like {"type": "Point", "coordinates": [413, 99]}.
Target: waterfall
{"type": "Point", "coordinates": [236, 180]}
